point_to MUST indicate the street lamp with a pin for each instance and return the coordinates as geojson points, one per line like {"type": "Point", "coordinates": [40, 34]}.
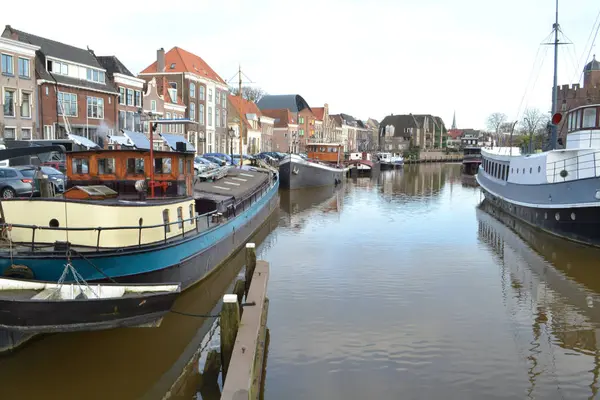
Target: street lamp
{"type": "Point", "coordinates": [231, 132]}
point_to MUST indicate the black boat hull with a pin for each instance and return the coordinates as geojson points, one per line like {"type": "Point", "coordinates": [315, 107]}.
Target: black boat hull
{"type": "Point", "coordinates": [83, 315]}
{"type": "Point", "coordinates": [578, 224]}
{"type": "Point", "coordinates": [296, 174]}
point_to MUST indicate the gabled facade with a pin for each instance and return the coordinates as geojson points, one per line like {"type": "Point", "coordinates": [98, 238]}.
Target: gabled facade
{"type": "Point", "coordinates": [300, 112]}
{"type": "Point", "coordinates": [18, 90]}
{"type": "Point", "coordinates": [397, 132]}
{"type": "Point", "coordinates": [202, 91]}
{"type": "Point", "coordinates": [74, 93]}
{"type": "Point", "coordinates": [250, 115]}
{"type": "Point", "coordinates": [433, 133]}
{"type": "Point", "coordinates": [130, 91]}
{"type": "Point", "coordinates": [285, 130]}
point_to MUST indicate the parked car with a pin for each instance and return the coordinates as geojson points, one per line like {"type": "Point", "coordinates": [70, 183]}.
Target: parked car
{"type": "Point", "coordinates": [13, 183]}
{"type": "Point", "coordinates": [201, 164]}
{"type": "Point", "coordinates": [247, 159]}
{"type": "Point", "coordinates": [57, 179]}
{"type": "Point", "coordinates": [266, 157]}
{"type": "Point", "coordinates": [221, 156]}
{"type": "Point", "coordinates": [58, 165]}
{"type": "Point", "coordinates": [220, 162]}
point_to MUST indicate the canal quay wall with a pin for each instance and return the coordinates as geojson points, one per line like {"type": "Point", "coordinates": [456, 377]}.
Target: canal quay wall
{"type": "Point", "coordinates": [434, 156]}
{"type": "Point", "coordinates": [237, 343]}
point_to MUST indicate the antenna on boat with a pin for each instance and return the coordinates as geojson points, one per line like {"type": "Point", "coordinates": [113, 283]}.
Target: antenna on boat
{"type": "Point", "coordinates": [553, 134]}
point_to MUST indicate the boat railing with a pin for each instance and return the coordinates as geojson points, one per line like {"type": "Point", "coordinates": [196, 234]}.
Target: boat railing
{"type": "Point", "coordinates": [582, 165]}
{"type": "Point", "coordinates": [198, 219]}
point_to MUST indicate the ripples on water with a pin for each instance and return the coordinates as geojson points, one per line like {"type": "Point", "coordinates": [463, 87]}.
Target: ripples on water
{"type": "Point", "coordinates": [400, 287]}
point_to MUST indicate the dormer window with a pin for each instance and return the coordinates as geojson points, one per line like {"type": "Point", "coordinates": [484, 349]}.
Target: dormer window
{"type": "Point", "coordinates": [173, 95]}
{"type": "Point", "coordinates": [57, 67]}
{"type": "Point", "coordinates": [95, 75]}
{"type": "Point", "coordinates": [172, 66]}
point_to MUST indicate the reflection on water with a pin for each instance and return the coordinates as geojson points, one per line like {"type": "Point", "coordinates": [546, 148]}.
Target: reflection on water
{"type": "Point", "coordinates": [411, 291]}
{"type": "Point", "coordinates": [127, 363]}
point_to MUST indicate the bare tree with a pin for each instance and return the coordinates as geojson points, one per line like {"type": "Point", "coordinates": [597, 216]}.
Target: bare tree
{"type": "Point", "coordinates": [533, 123]}
{"type": "Point", "coordinates": [494, 123]}
{"type": "Point", "coordinates": [249, 93]}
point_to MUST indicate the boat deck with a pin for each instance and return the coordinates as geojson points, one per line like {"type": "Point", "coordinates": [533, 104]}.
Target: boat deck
{"type": "Point", "coordinates": [237, 184]}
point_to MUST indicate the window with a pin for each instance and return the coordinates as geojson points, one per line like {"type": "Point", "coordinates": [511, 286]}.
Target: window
{"type": "Point", "coordinates": [209, 94]}
{"type": "Point", "coordinates": [130, 121]}
{"type": "Point", "coordinates": [138, 98]}
{"type": "Point", "coordinates": [301, 120]}
{"type": "Point", "coordinates": [173, 85]}
{"type": "Point", "coordinates": [80, 166]}
{"type": "Point", "coordinates": [24, 68]}
{"type": "Point", "coordinates": [181, 171]}
{"type": "Point", "coordinates": [301, 132]}
{"type": "Point", "coordinates": [58, 67]}
{"type": "Point", "coordinates": [129, 97]}
{"type": "Point", "coordinates": [224, 118]}
{"type": "Point", "coordinates": [192, 111]}
{"type": "Point", "coordinates": [106, 166]}
{"type": "Point", "coordinates": [173, 95]}
{"type": "Point", "coordinates": [95, 76]}
{"type": "Point", "coordinates": [162, 165]}
{"type": "Point", "coordinates": [201, 118]}
{"type": "Point", "coordinates": [570, 122]}
{"type": "Point", "coordinates": [191, 214]}
{"type": "Point", "coordinates": [589, 118]}
{"type": "Point", "coordinates": [95, 107]}
{"type": "Point", "coordinates": [9, 133]}
{"type": "Point", "coordinates": [8, 67]}
{"type": "Point", "coordinates": [192, 90]}
{"type": "Point", "coordinates": [153, 105]}
{"type": "Point", "coordinates": [137, 122]}
{"type": "Point", "coordinates": [577, 120]}
{"type": "Point", "coordinates": [166, 220]}
{"type": "Point", "coordinates": [217, 97]}
{"type": "Point", "coordinates": [202, 89]}
{"type": "Point", "coordinates": [122, 116]}
{"type": "Point", "coordinates": [218, 117]}
{"type": "Point", "coordinates": [48, 132]}
{"type": "Point", "coordinates": [121, 95]}
{"type": "Point", "coordinates": [180, 217]}
{"type": "Point", "coordinates": [135, 166]}
{"type": "Point", "coordinates": [209, 116]}
{"type": "Point", "coordinates": [67, 104]}
{"type": "Point", "coordinates": [25, 105]}
{"type": "Point", "coordinates": [26, 133]}
{"type": "Point", "coordinates": [9, 103]}
{"type": "Point", "coordinates": [224, 100]}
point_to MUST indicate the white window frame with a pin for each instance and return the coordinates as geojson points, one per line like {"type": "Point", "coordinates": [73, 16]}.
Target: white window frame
{"type": "Point", "coordinates": [122, 97]}
{"type": "Point", "coordinates": [13, 65]}
{"type": "Point", "coordinates": [202, 114]}
{"type": "Point", "coordinates": [210, 116]}
{"type": "Point", "coordinates": [202, 94]}
{"type": "Point", "coordinates": [127, 91]}
{"type": "Point", "coordinates": [30, 133]}
{"type": "Point", "coordinates": [137, 96]}
{"type": "Point", "coordinates": [14, 101]}
{"type": "Point", "coordinates": [124, 113]}
{"type": "Point", "coordinates": [153, 105]}
{"type": "Point", "coordinates": [193, 111]}
{"type": "Point", "coordinates": [210, 95]}
{"type": "Point", "coordinates": [130, 118]}
{"type": "Point", "coordinates": [28, 67]}
{"type": "Point", "coordinates": [14, 128]}
{"type": "Point", "coordinates": [49, 132]}
{"type": "Point", "coordinates": [21, 103]}
{"type": "Point", "coordinates": [99, 103]}
{"type": "Point", "coordinates": [217, 118]}
{"type": "Point", "coordinates": [192, 90]}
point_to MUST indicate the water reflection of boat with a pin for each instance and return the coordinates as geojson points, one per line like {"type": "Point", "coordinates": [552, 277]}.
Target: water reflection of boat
{"type": "Point", "coordinates": [133, 363]}
{"type": "Point", "coordinates": [416, 180]}
{"type": "Point", "coordinates": [468, 180]}
{"type": "Point", "coordinates": [551, 282]}
{"type": "Point", "coordinates": [293, 203]}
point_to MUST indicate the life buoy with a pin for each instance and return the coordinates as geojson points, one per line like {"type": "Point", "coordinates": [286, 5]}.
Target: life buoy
{"type": "Point", "coordinates": [19, 271]}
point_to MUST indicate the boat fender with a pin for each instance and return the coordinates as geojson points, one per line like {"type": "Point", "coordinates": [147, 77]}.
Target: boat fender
{"type": "Point", "coordinates": [19, 271]}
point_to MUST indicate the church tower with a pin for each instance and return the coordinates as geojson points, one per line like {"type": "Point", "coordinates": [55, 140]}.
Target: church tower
{"type": "Point", "coordinates": [454, 121]}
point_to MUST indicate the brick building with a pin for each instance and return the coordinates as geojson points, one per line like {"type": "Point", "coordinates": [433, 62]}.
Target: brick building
{"type": "Point", "coordinates": [130, 90]}
{"type": "Point", "coordinates": [73, 89]}
{"type": "Point", "coordinates": [285, 130]}
{"type": "Point", "coordinates": [203, 94]}
{"type": "Point", "coordinates": [299, 111]}
{"type": "Point", "coordinates": [18, 90]}
{"type": "Point", "coordinates": [570, 97]}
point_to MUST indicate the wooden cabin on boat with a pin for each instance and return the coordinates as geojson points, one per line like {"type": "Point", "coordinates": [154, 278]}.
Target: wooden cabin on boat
{"type": "Point", "coordinates": [326, 152]}
{"type": "Point", "coordinates": [121, 169]}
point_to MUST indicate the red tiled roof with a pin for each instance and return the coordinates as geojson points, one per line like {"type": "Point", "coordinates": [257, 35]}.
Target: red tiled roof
{"type": "Point", "coordinates": [318, 112]}
{"type": "Point", "coordinates": [455, 133]}
{"type": "Point", "coordinates": [244, 107]}
{"type": "Point", "coordinates": [184, 61]}
{"type": "Point", "coordinates": [282, 117]}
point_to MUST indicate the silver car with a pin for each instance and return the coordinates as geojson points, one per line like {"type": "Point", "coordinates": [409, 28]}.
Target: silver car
{"type": "Point", "coordinates": [14, 183]}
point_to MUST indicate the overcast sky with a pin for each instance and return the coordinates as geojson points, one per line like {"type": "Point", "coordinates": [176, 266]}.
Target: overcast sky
{"type": "Point", "coordinates": [365, 58]}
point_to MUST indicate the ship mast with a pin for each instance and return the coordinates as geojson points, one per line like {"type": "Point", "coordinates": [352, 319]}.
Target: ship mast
{"type": "Point", "coordinates": [553, 127]}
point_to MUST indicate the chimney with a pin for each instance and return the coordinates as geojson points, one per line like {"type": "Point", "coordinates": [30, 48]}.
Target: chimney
{"type": "Point", "coordinates": [13, 35]}
{"type": "Point", "coordinates": [160, 60]}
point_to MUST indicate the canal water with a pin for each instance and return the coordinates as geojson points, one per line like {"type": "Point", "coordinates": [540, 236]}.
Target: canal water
{"type": "Point", "coordinates": [400, 286]}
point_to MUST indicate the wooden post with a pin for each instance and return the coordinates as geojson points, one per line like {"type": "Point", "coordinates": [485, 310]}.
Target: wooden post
{"type": "Point", "coordinates": [230, 322]}
{"type": "Point", "coordinates": [45, 190]}
{"type": "Point", "coordinates": [250, 264]}
{"type": "Point", "coordinates": [238, 289]}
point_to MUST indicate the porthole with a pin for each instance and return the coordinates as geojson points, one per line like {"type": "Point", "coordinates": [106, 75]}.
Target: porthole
{"type": "Point", "coordinates": [557, 216]}
{"type": "Point", "coordinates": [141, 221]}
{"type": "Point", "coordinates": [573, 216]}
{"type": "Point", "coordinates": [539, 169]}
{"type": "Point", "coordinates": [545, 215]}
{"type": "Point", "coordinates": [53, 223]}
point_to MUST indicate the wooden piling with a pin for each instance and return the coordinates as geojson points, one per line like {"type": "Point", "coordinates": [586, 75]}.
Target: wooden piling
{"type": "Point", "coordinates": [45, 189]}
{"type": "Point", "coordinates": [229, 325]}
{"type": "Point", "coordinates": [250, 264]}
{"type": "Point", "coordinates": [239, 289]}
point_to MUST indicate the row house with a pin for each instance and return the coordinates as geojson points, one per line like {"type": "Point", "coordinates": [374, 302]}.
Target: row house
{"type": "Point", "coordinates": [364, 140]}
{"type": "Point", "coordinates": [398, 132]}
{"type": "Point", "coordinates": [324, 125]}
{"type": "Point", "coordinates": [349, 130]}
{"type": "Point", "coordinates": [300, 112]}
{"type": "Point", "coordinates": [373, 126]}
{"type": "Point", "coordinates": [128, 108]}
{"type": "Point", "coordinates": [73, 90]}
{"type": "Point", "coordinates": [267, 126]}
{"type": "Point", "coordinates": [433, 131]}
{"type": "Point", "coordinates": [18, 90]}
{"type": "Point", "coordinates": [248, 112]}
{"type": "Point", "coordinates": [203, 95]}
{"type": "Point", "coordinates": [285, 130]}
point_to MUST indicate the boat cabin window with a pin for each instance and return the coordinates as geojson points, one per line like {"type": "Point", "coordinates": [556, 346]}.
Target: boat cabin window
{"type": "Point", "coordinates": [81, 166]}
{"type": "Point", "coordinates": [189, 167]}
{"type": "Point", "coordinates": [589, 118]}
{"type": "Point", "coordinates": [162, 165]}
{"type": "Point", "coordinates": [135, 166]}
{"type": "Point", "coordinates": [106, 166]}
{"type": "Point", "coordinates": [166, 220]}
{"type": "Point", "coordinates": [191, 214]}
{"type": "Point", "coordinates": [180, 216]}
{"type": "Point", "coordinates": [181, 171]}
